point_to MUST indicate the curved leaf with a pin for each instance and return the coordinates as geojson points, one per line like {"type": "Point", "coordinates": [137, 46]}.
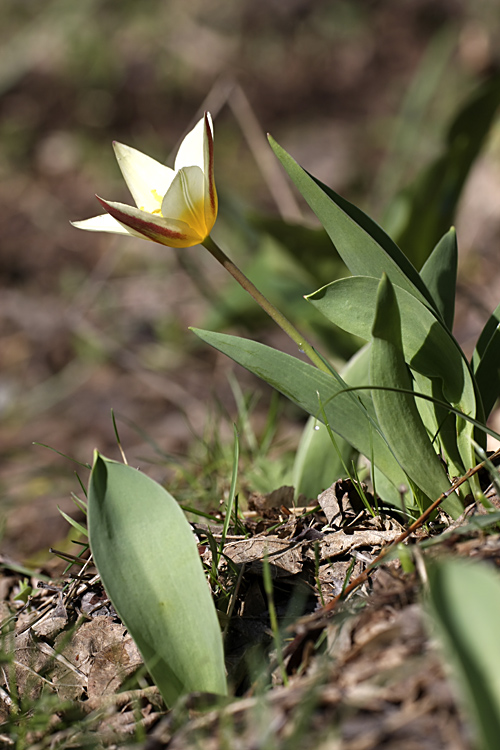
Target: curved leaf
{"type": "Point", "coordinates": [147, 557]}
{"type": "Point", "coordinates": [317, 464]}
{"type": "Point", "coordinates": [465, 604]}
{"type": "Point", "coordinates": [363, 246]}
{"type": "Point", "coordinates": [356, 373]}
{"type": "Point", "coordinates": [427, 345]}
{"type": "Point", "coordinates": [397, 412]}
{"type": "Point", "coordinates": [305, 385]}
{"type": "Point", "coordinates": [444, 429]}
{"type": "Point", "coordinates": [486, 362]}
{"type": "Point", "coordinates": [439, 273]}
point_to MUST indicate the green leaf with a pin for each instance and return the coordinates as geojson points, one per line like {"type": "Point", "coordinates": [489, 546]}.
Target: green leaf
{"type": "Point", "coordinates": [428, 346]}
{"type": "Point", "coordinates": [439, 273]}
{"type": "Point", "coordinates": [317, 464]}
{"type": "Point", "coordinates": [486, 362]}
{"type": "Point", "coordinates": [361, 243]}
{"type": "Point", "coordinates": [465, 605]}
{"type": "Point", "coordinates": [147, 557]}
{"type": "Point", "coordinates": [396, 411]}
{"type": "Point", "coordinates": [305, 385]}
{"type": "Point", "coordinates": [425, 211]}
{"type": "Point", "coordinates": [356, 373]}
{"type": "Point", "coordinates": [441, 425]}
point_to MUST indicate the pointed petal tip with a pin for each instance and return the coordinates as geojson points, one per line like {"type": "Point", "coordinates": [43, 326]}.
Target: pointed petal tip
{"type": "Point", "coordinates": [105, 204]}
{"type": "Point", "coordinates": [122, 148]}
{"type": "Point", "coordinates": [117, 146]}
{"type": "Point", "coordinates": [209, 121]}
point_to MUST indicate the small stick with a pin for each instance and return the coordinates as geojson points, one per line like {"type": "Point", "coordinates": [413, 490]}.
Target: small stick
{"type": "Point", "coordinates": [314, 618]}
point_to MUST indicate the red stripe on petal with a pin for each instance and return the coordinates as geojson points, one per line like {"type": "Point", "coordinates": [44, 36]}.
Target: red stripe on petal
{"type": "Point", "coordinates": [149, 229]}
{"type": "Point", "coordinates": [211, 180]}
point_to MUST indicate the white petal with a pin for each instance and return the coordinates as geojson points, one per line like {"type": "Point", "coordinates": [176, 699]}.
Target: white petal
{"type": "Point", "coordinates": [102, 223]}
{"type": "Point", "coordinates": [147, 179]}
{"type": "Point", "coordinates": [185, 199]}
{"type": "Point", "coordinates": [191, 152]}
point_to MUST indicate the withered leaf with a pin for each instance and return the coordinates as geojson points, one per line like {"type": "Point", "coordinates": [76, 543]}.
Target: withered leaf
{"type": "Point", "coordinates": [339, 543]}
{"type": "Point", "coordinates": [30, 662]}
{"type": "Point", "coordinates": [272, 501]}
{"type": "Point", "coordinates": [111, 667]}
{"type": "Point", "coordinates": [285, 557]}
{"type": "Point", "coordinates": [102, 651]}
{"type": "Point", "coordinates": [341, 499]}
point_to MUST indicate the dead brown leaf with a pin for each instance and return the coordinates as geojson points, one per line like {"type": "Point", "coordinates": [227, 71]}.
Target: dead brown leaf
{"type": "Point", "coordinates": [339, 543]}
{"type": "Point", "coordinates": [285, 557]}
{"type": "Point", "coordinates": [103, 652]}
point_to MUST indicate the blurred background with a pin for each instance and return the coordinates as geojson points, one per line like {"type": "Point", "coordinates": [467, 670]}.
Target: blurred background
{"type": "Point", "coordinates": [363, 93]}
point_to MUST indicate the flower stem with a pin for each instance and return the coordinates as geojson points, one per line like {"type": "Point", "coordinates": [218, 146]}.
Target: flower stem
{"type": "Point", "coordinates": [276, 315]}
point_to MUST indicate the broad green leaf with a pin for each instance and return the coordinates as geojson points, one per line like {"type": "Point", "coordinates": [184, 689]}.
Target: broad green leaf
{"type": "Point", "coordinates": [356, 373]}
{"type": "Point", "coordinates": [397, 412]}
{"type": "Point", "coordinates": [486, 362]}
{"type": "Point", "coordinates": [305, 385]}
{"type": "Point", "coordinates": [361, 243]}
{"type": "Point", "coordinates": [441, 422]}
{"type": "Point", "coordinates": [439, 273]}
{"type": "Point", "coordinates": [357, 369]}
{"type": "Point", "coordinates": [391, 493]}
{"type": "Point", "coordinates": [147, 557]}
{"type": "Point", "coordinates": [465, 605]}
{"type": "Point", "coordinates": [317, 464]}
{"type": "Point", "coordinates": [441, 426]}
{"type": "Point", "coordinates": [422, 213]}
{"type": "Point", "coordinates": [428, 346]}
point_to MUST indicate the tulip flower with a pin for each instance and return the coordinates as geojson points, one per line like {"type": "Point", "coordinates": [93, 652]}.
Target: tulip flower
{"type": "Point", "coordinates": [175, 207]}
{"type": "Point", "coordinates": [178, 208]}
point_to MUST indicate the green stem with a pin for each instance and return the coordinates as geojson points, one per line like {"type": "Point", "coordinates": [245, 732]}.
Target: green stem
{"type": "Point", "coordinates": [264, 303]}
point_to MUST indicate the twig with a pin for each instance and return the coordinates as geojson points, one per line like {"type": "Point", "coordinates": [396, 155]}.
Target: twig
{"type": "Point", "coordinates": [315, 618]}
